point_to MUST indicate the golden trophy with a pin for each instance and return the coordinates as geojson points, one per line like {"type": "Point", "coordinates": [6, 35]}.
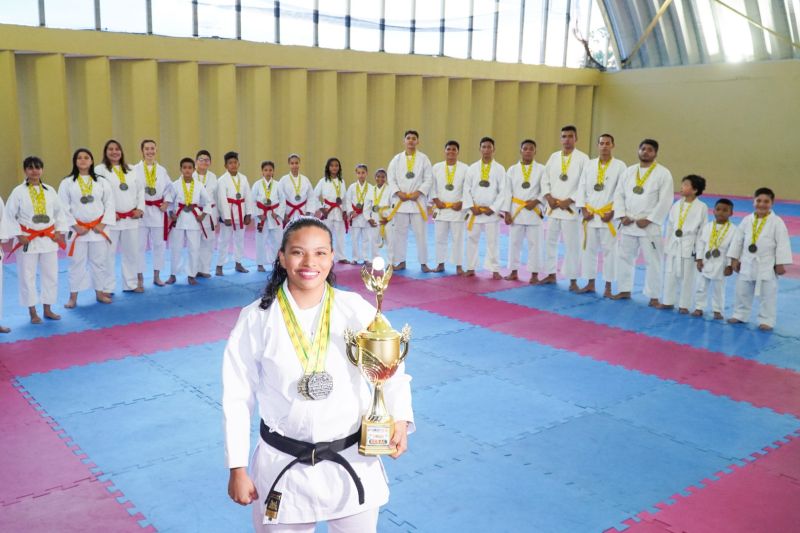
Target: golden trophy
{"type": "Point", "coordinates": [377, 351]}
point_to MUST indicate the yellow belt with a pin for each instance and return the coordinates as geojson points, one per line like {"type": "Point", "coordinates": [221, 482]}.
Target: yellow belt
{"type": "Point", "coordinates": [603, 211]}
{"type": "Point", "coordinates": [473, 215]}
{"type": "Point", "coordinates": [422, 212]}
{"type": "Point", "coordinates": [521, 204]}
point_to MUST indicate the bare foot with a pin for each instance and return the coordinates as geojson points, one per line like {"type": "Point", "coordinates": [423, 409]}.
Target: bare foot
{"type": "Point", "coordinates": [573, 285]}
{"type": "Point", "coordinates": [240, 268]}
{"type": "Point", "coordinates": [718, 316]}
{"type": "Point", "coordinates": [4, 329]}
{"type": "Point", "coordinates": [548, 280]}
{"type": "Point", "coordinates": [607, 293]}
{"type": "Point", "coordinates": [102, 298]}
{"type": "Point", "coordinates": [139, 289]}
{"type": "Point", "coordinates": [588, 288]}
{"type": "Point", "coordinates": [400, 266]}
{"type": "Point", "coordinates": [260, 268]}
{"type": "Point", "coordinates": [496, 275]}
{"type": "Point", "coordinates": [72, 302]}
{"type": "Point", "coordinates": [192, 281]}
{"type": "Point", "coordinates": [468, 273]}
{"type": "Point", "coordinates": [459, 270]}
{"type": "Point", "coordinates": [534, 279]}
{"type": "Point", "coordinates": [157, 282]}
{"type": "Point", "coordinates": [654, 303]}
{"type": "Point", "coordinates": [764, 327]}
{"type": "Point", "coordinates": [171, 280]}
{"type": "Point", "coordinates": [35, 319]}
{"type": "Point", "coordinates": [49, 314]}
{"type": "Point", "coordinates": [219, 271]}
{"type": "Point", "coordinates": [512, 276]}
{"type": "Point", "coordinates": [439, 268]}
{"type": "Point", "coordinates": [683, 311]}
{"type": "Point", "coordinates": [733, 320]}
{"type": "Point", "coordinates": [625, 295]}
{"type": "Point", "coordinates": [425, 268]}
{"type": "Point", "coordinates": [697, 313]}
{"type": "Point", "coordinates": [203, 275]}
{"type": "Point", "coordinates": [664, 307]}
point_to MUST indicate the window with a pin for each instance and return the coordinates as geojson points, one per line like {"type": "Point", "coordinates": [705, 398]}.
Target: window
{"type": "Point", "coordinates": [171, 17]}
{"type": "Point", "coordinates": [332, 29]}
{"type": "Point", "coordinates": [365, 25]}
{"type": "Point", "coordinates": [398, 21]}
{"type": "Point", "coordinates": [129, 16]}
{"type": "Point", "coordinates": [426, 36]}
{"type": "Point", "coordinates": [508, 31]}
{"type": "Point", "coordinates": [216, 18]}
{"type": "Point", "coordinates": [22, 13]}
{"type": "Point", "coordinates": [456, 33]}
{"type": "Point", "coordinates": [71, 14]}
{"type": "Point", "coordinates": [258, 20]}
{"type": "Point", "coordinates": [297, 26]}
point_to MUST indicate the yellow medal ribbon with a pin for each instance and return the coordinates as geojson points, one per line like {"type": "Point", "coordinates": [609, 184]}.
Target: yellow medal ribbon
{"type": "Point", "coordinates": [237, 184]}
{"type": "Point", "coordinates": [120, 174]}
{"type": "Point", "coordinates": [603, 211]}
{"type": "Point", "coordinates": [641, 180]}
{"type": "Point", "coordinates": [758, 225]}
{"type": "Point", "coordinates": [565, 163]}
{"type": "Point", "coordinates": [448, 174]}
{"type": "Point", "coordinates": [38, 199]}
{"type": "Point", "coordinates": [376, 198]}
{"type": "Point", "coordinates": [410, 160]}
{"type": "Point", "coordinates": [267, 190]}
{"type": "Point", "coordinates": [337, 187]}
{"type": "Point", "coordinates": [718, 236]}
{"type": "Point", "coordinates": [485, 170]}
{"type": "Point", "coordinates": [296, 185]}
{"type": "Point", "coordinates": [526, 172]}
{"type": "Point", "coordinates": [361, 194]}
{"type": "Point", "coordinates": [601, 171]}
{"type": "Point", "coordinates": [521, 204]}
{"type": "Point", "coordinates": [682, 215]}
{"type": "Point", "coordinates": [202, 178]}
{"type": "Point", "coordinates": [310, 354]}
{"type": "Point", "coordinates": [188, 194]}
{"type": "Point", "coordinates": [86, 188]}
{"type": "Point", "coordinates": [150, 176]}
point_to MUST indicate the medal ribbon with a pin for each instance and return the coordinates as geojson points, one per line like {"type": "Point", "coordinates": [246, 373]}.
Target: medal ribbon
{"type": "Point", "coordinates": [485, 169]}
{"type": "Point", "coordinates": [448, 174]}
{"type": "Point", "coordinates": [758, 226]}
{"type": "Point", "coordinates": [203, 178]}
{"type": "Point", "coordinates": [526, 172]}
{"type": "Point", "coordinates": [150, 176]}
{"type": "Point", "coordinates": [603, 211]}
{"type": "Point", "coordinates": [120, 174]}
{"type": "Point", "coordinates": [410, 160]}
{"type": "Point", "coordinates": [188, 195]}
{"type": "Point", "coordinates": [640, 181]}
{"type": "Point", "coordinates": [38, 199]}
{"type": "Point", "coordinates": [682, 215]}
{"type": "Point", "coordinates": [718, 236]}
{"type": "Point", "coordinates": [237, 184]}
{"type": "Point", "coordinates": [362, 194]}
{"type": "Point", "coordinates": [376, 198]}
{"type": "Point", "coordinates": [267, 190]}
{"type": "Point", "coordinates": [565, 163]}
{"type": "Point", "coordinates": [337, 185]}
{"type": "Point", "coordinates": [86, 188]}
{"type": "Point", "coordinates": [311, 355]}
{"type": "Point", "coordinates": [601, 171]}
{"type": "Point", "coordinates": [297, 185]}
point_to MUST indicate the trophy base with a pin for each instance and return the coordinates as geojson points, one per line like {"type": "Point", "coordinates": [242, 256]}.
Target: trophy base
{"type": "Point", "coordinates": [376, 437]}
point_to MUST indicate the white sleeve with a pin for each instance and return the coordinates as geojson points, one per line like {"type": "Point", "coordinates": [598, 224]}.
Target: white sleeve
{"type": "Point", "coordinates": [783, 249]}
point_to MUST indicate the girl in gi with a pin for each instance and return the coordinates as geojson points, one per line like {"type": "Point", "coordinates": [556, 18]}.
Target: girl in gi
{"type": "Point", "coordinates": [359, 209]}
{"type": "Point", "coordinates": [330, 193]}
{"type": "Point", "coordinates": [264, 362]}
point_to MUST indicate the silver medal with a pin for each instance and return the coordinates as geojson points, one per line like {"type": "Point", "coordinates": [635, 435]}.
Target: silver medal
{"type": "Point", "coordinates": [123, 186]}
{"type": "Point", "coordinates": [150, 190]}
{"type": "Point", "coordinates": [410, 175]}
{"type": "Point", "coordinates": [319, 385]}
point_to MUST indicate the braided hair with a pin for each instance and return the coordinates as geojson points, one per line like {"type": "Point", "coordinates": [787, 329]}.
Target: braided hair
{"type": "Point", "coordinates": [279, 274]}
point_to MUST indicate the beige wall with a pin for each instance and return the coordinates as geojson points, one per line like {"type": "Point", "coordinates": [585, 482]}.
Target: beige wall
{"type": "Point", "coordinates": [61, 89]}
{"type": "Point", "coordinates": [735, 124]}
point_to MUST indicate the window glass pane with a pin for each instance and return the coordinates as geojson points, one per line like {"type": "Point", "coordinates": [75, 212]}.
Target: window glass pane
{"type": "Point", "coordinates": [707, 27]}
{"type": "Point", "coordinates": [579, 20]}
{"type": "Point", "coordinates": [22, 13]}
{"type": "Point", "coordinates": [365, 25]}
{"type": "Point", "coordinates": [456, 26]}
{"type": "Point", "coordinates": [217, 18]}
{"type": "Point", "coordinates": [258, 20]}
{"type": "Point", "coordinates": [332, 31]}
{"type": "Point", "coordinates": [297, 25]}
{"type": "Point", "coordinates": [72, 14]}
{"type": "Point", "coordinates": [554, 49]}
{"type": "Point", "coordinates": [130, 16]}
{"type": "Point", "coordinates": [483, 30]}
{"type": "Point", "coordinates": [735, 32]}
{"type": "Point", "coordinates": [532, 38]}
{"type": "Point", "coordinates": [508, 31]}
{"type": "Point", "coordinates": [600, 39]}
{"type": "Point", "coordinates": [398, 21]}
{"type": "Point", "coordinates": [171, 17]}
{"type": "Point", "coordinates": [429, 14]}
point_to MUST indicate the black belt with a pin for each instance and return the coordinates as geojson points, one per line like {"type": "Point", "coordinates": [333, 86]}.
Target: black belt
{"type": "Point", "coordinates": [310, 454]}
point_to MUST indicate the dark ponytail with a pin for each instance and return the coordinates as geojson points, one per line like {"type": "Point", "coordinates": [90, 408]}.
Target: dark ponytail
{"type": "Point", "coordinates": [279, 274]}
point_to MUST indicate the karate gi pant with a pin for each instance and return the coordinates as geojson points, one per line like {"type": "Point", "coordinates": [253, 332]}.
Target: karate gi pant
{"type": "Point", "coordinates": [128, 241]}
{"type": "Point", "coordinates": [717, 294]}
{"type": "Point", "coordinates": [532, 235]}
{"type": "Point", "coordinates": [766, 290]}
{"type": "Point", "coordinates": [679, 281]}
{"type": "Point", "coordinates": [377, 246]}
{"type": "Point", "coordinates": [599, 241]}
{"type": "Point", "coordinates": [47, 265]}
{"type": "Point", "coordinates": [158, 246]}
{"type": "Point", "coordinates": [361, 243]}
{"type": "Point", "coordinates": [95, 253]}
{"type": "Point", "coordinates": [207, 250]}
{"type": "Point", "coordinates": [443, 229]}
{"type": "Point", "coordinates": [652, 249]}
{"type": "Point", "coordinates": [491, 261]}
{"type": "Point", "coordinates": [268, 242]}
{"type": "Point", "coordinates": [400, 236]}
{"type": "Point", "coordinates": [177, 264]}
{"type": "Point", "coordinates": [226, 235]}
{"type": "Point", "coordinates": [337, 229]}
{"type": "Point", "coordinates": [365, 522]}
{"type": "Point", "coordinates": [571, 232]}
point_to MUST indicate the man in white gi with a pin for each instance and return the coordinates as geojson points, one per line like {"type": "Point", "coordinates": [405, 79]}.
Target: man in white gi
{"type": "Point", "coordinates": [189, 204]}
{"type": "Point", "coordinates": [410, 180]}
{"type": "Point", "coordinates": [560, 189]}
{"type": "Point", "coordinates": [155, 223]}
{"type": "Point", "coordinates": [642, 201]}
{"type": "Point", "coordinates": [297, 192]}
{"type": "Point", "coordinates": [235, 207]}
{"type": "Point", "coordinates": [447, 195]}
{"type": "Point", "coordinates": [269, 209]}
{"type": "Point", "coordinates": [486, 194]}
{"type": "Point", "coordinates": [596, 190]}
{"type": "Point", "coordinates": [208, 240]}
{"type": "Point", "coordinates": [523, 212]}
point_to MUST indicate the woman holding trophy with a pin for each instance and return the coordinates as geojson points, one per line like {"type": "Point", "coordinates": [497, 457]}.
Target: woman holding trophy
{"type": "Point", "coordinates": [288, 354]}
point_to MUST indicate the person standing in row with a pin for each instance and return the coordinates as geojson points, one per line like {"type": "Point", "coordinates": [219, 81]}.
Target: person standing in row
{"type": "Point", "coordinates": [35, 216]}
{"type": "Point", "coordinates": [4, 235]}
{"type": "Point", "coordinates": [447, 195]}
{"type": "Point", "coordinates": [359, 209]}
{"type": "Point", "coordinates": [269, 209]}
{"type": "Point", "coordinates": [523, 212]}
{"type": "Point", "coordinates": [596, 190]}
{"type": "Point", "coordinates": [712, 259]}
{"type": "Point", "coordinates": [382, 226]}
{"type": "Point", "coordinates": [329, 195]}
{"type": "Point", "coordinates": [88, 204]}
{"type": "Point", "coordinates": [155, 223]}
{"type": "Point", "coordinates": [189, 204]}
{"type": "Point", "coordinates": [297, 191]}
{"type": "Point", "coordinates": [129, 205]}
{"type": "Point", "coordinates": [235, 208]}
{"type": "Point", "coordinates": [208, 240]}
{"type": "Point", "coordinates": [410, 180]}
{"type": "Point", "coordinates": [560, 189]}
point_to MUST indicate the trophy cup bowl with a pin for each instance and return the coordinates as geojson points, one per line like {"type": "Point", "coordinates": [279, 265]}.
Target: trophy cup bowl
{"type": "Point", "coordinates": [377, 351]}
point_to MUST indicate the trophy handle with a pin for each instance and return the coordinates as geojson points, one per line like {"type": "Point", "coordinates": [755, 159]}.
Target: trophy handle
{"type": "Point", "coordinates": [350, 343]}
{"type": "Point", "coordinates": [405, 339]}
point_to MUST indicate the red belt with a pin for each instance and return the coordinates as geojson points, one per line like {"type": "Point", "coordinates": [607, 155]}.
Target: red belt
{"type": "Point", "coordinates": [196, 211]}
{"type": "Point", "coordinates": [238, 203]}
{"type": "Point", "coordinates": [334, 205]}
{"type": "Point", "coordinates": [89, 226]}
{"type": "Point", "coordinates": [157, 203]}
{"type": "Point", "coordinates": [295, 209]}
{"type": "Point", "coordinates": [265, 210]}
{"type": "Point", "coordinates": [35, 234]}
{"type": "Point", "coordinates": [126, 214]}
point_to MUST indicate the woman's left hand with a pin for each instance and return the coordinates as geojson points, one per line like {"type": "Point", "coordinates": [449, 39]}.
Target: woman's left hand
{"type": "Point", "coordinates": [400, 438]}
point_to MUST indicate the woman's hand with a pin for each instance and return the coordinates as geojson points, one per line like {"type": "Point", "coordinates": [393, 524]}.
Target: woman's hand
{"type": "Point", "coordinates": [400, 438]}
{"type": "Point", "coordinates": [241, 488]}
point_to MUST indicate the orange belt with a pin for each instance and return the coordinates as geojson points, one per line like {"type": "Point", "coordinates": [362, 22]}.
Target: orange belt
{"type": "Point", "coordinates": [35, 234]}
{"type": "Point", "coordinates": [334, 205]}
{"type": "Point", "coordinates": [89, 226]}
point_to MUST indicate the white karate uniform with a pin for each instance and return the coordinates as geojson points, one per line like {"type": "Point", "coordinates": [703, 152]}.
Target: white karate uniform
{"type": "Point", "coordinates": [410, 213]}
{"type": "Point", "coordinates": [713, 267]}
{"type": "Point", "coordinates": [235, 212]}
{"type": "Point", "coordinates": [291, 188]}
{"type": "Point", "coordinates": [597, 236]}
{"type": "Point", "coordinates": [757, 275]}
{"type": "Point", "coordinates": [4, 235]}
{"type": "Point", "coordinates": [561, 222]}
{"type": "Point", "coordinates": [42, 252]}
{"type": "Point", "coordinates": [260, 366]}
{"type": "Point", "coordinates": [125, 233]}
{"type": "Point", "coordinates": [496, 197]}
{"type": "Point", "coordinates": [527, 224]}
{"type": "Point", "coordinates": [187, 227]}
{"type": "Point", "coordinates": [360, 230]}
{"type": "Point", "coordinates": [271, 232]}
{"type": "Point", "coordinates": [382, 207]}
{"type": "Point", "coordinates": [327, 192]}
{"type": "Point", "coordinates": [680, 266]}
{"type": "Point", "coordinates": [653, 204]}
{"type": "Point", "coordinates": [153, 225]}
{"type": "Point", "coordinates": [210, 223]}
{"type": "Point", "coordinates": [92, 247]}
{"type": "Point", "coordinates": [449, 221]}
